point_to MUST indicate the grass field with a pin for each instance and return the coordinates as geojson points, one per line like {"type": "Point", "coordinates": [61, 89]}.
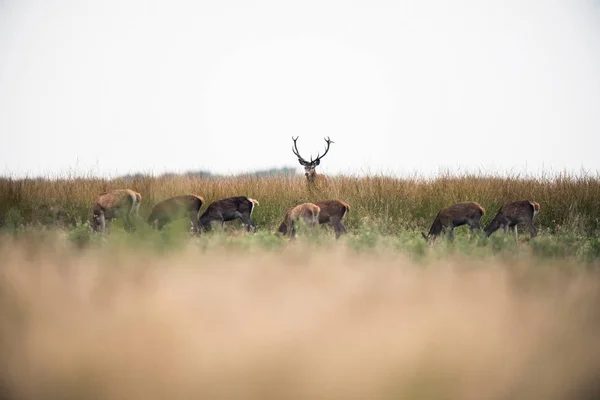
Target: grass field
{"type": "Point", "coordinates": [392, 205]}
{"type": "Point", "coordinates": [376, 314]}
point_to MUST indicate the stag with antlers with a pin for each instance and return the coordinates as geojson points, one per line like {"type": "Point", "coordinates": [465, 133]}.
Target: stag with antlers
{"type": "Point", "coordinates": [309, 166]}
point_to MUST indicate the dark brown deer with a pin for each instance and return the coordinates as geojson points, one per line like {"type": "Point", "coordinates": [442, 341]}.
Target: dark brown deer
{"type": "Point", "coordinates": [512, 214]}
{"type": "Point", "coordinates": [308, 213]}
{"type": "Point", "coordinates": [239, 207]}
{"type": "Point", "coordinates": [333, 212]}
{"type": "Point", "coordinates": [119, 203]}
{"type": "Point", "coordinates": [464, 213]}
{"type": "Point", "coordinates": [312, 178]}
{"type": "Point", "coordinates": [185, 206]}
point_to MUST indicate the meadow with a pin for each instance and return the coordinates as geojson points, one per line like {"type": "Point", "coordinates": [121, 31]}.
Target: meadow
{"type": "Point", "coordinates": [375, 314]}
{"type": "Point", "coordinates": [393, 205]}
{"type": "Point", "coordinates": [383, 209]}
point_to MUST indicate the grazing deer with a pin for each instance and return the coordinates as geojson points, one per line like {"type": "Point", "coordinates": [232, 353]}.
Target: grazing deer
{"type": "Point", "coordinates": [512, 214]}
{"type": "Point", "coordinates": [333, 213]}
{"type": "Point", "coordinates": [312, 177]}
{"type": "Point", "coordinates": [119, 203]}
{"type": "Point", "coordinates": [224, 210]}
{"type": "Point", "coordinates": [306, 212]}
{"type": "Point", "coordinates": [178, 207]}
{"type": "Point", "coordinates": [465, 213]}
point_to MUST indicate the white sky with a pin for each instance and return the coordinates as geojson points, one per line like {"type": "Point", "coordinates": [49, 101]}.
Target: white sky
{"type": "Point", "coordinates": [402, 87]}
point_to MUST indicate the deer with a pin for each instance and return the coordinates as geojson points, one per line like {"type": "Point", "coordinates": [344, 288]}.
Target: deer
{"type": "Point", "coordinates": [308, 213]}
{"type": "Point", "coordinates": [119, 203]}
{"type": "Point", "coordinates": [174, 208]}
{"type": "Point", "coordinates": [512, 214]}
{"type": "Point", "coordinates": [224, 210]}
{"type": "Point", "coordinates": [312, 177]}
{"type": "Point", "coordinates": [458, 214]}
{"type": "Point", "coordinates": [332, 212]}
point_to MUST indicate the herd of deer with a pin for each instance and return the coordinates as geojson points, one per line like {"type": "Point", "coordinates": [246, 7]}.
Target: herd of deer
{"type": "Point", "coordinates": [125, 203]}
{"type": "Point", "coordinates": [469, 213]}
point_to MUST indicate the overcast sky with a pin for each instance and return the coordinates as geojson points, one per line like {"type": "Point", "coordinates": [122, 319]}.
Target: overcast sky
{"type": "Point", "coordinates": [401, 87]}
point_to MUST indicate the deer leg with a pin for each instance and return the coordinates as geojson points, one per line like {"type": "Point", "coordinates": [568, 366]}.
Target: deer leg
{"type": "Point", "coordinates": [193, 216]}
{"type": "Point", "coordinates": [131, 222]}
{"type": "Point", "coordinates": [339, 229]}
{"type": "Point", "coordinates": [314, 224]}
{"type": "Point", "coordinates": [473, 226]}
{"type": "Point", "coordinates": [247, 220]}
{"type": "Point", "coordinates": [222, 219]}
{"type": "Point", "coordinates": [209, 223]}
{"type": "Point", "coordinates": [478, 226]}
{"type": "Point", "coordinates": [240, 216]}
{"type": "Point", "coordinates": [451, 233]}
{"type": "Point", "coordinates": [335, 224]}
{"type": "Point", "coordinates": [126, 222]}
{"type": "Point", "coordinates": [336, 229]}
{"type": "Point", "coordinates": [342, 226]}
{"type": "Point", "coordinates": [516, 232]}
{"type": "Point", "coordinates": [101, 223]}
{"type": "Point", "coordinates": [127, 219]}
{"type": "Point", "coordinates": [251, 224]}
{"type": "Point", "coordinates": [532, 230]}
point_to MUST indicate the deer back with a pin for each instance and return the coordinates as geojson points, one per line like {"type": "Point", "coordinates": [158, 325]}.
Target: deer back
{"type": "Point", "coordinates": [175, 207]}
{"type": "Point", "coordinates": [332, 209]}
{"type": "Point", "coordinates": [115, 201]}
{"type": "Point", "coordinates": [304, 211]}
{"type": "Point", "coordinates": [519, 211]}
{"type": "Point", "coordinates": [241, 204]}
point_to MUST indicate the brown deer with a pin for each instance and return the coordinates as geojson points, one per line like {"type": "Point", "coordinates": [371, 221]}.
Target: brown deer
{"type": "Point", "coordinates": [512, 214]}
{"type": "Point", "coordinates": [119, 203]}
{"type": "Point", "coordinates": [185, 206]}
{"type": "Point", "coordinates": [464, 213]}
{"type": "Point", "coordinates": [239, 207]}
{"type": "Point", "coordinates": [312, 178]}
{"type": "Point", "coordinates": [333, 213]}
{"type": "Point", "coordinates": [308, 213]}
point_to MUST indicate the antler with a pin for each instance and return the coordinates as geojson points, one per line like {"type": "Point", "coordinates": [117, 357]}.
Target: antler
{"type": "Point", "coordinates": [329, 141]}
{"type": "Point", "coordinates": [296, 152]}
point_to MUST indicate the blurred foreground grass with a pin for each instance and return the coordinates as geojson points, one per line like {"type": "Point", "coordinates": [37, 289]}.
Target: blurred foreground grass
{"type": "Point", "coordinates": [160, 315]}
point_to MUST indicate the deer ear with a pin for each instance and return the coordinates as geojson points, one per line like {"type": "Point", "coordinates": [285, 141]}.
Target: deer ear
{"type": "Point", "coordinates": [424, 235]}
{"type": "Point", "coordinates": [317, 162]}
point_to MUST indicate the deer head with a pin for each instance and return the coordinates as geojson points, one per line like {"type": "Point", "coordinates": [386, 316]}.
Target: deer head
{"type": "Point", "coordinates": [309, 166]}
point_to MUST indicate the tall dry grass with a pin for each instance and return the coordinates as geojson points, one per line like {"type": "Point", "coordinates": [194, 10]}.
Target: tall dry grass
{"type": "Point", "coordinates": [327, 324]}
{"type": "Point", "coordinates": [392, 205]}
